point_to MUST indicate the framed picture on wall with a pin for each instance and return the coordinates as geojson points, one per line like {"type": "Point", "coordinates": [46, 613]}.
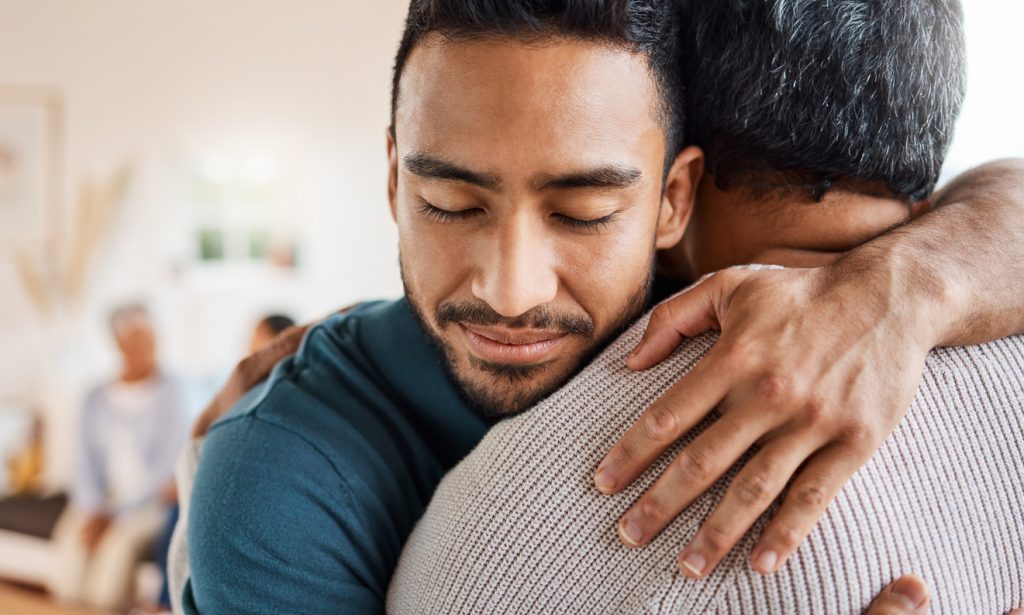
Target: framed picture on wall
{"type": "Point", "coordinates": [29, 141]}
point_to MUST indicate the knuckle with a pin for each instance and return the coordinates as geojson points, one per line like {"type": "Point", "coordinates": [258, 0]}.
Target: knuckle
{"type": "Point", "coordinates": [753, 490]}
{"type": "Point", "coordinates": [696, 464]}
{"type": "Point", "coordinates": [717, 538]}
{"type": "Point", "coordinates": [812, 496]}
{"type": "Point", "coordinates": [815, 412]}
{"type": "Point", "coordinates": [727, 277]}
{"type": "Point", "coordinates": [653, 508]}
{"type": "Point", "coordinates": [775, 387]}
{"type": "Point", "coordinates": [859, 433]}
{"type": "Point", "coordinates": [788, 388]}
{"type": "Point", "coordinates": [787, 538]}
{"type": "Point", "coordinates": [661, 315]}
{"type": "Point", "coordinates": [659, 423]}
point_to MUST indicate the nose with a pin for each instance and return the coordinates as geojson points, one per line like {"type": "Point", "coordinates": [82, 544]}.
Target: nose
{"type": "Point", "coordinates": [516, 271]}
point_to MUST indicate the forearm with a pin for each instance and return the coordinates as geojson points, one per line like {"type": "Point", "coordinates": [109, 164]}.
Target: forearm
{"type": "Point", "coordinates": [960, 268]}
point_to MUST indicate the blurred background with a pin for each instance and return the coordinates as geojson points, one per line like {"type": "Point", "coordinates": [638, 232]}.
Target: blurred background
{"type": "Point", "coordinates": [219, 162]}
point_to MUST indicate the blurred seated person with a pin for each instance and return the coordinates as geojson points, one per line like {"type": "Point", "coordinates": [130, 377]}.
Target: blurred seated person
{"type": "Point", "coordinates": [131, 431]}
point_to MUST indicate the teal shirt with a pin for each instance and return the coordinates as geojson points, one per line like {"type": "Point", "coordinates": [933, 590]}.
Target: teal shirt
{"type": "Point", "coordinates": [309, 487]}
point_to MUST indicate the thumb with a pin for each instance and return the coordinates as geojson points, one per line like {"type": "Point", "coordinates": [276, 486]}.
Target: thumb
{"type": "Point", "coordinates": [683, 315]}
{"type": "Point", "coordinates": [907, 595]}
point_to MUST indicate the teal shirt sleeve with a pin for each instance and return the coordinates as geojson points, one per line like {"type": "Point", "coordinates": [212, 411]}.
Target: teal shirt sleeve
{"type": "Point", "coordinates": [307, 490]}
{"type": "Point", "coordinates": [278, 532]}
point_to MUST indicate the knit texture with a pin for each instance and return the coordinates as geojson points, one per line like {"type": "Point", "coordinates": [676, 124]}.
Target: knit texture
{"type": "Point", "coordinates": [518, 526]}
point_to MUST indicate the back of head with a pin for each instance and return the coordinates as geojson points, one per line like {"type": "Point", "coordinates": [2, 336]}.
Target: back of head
{"type": "Point", "coordinates": [805, 94]}
{"type": "Point", "coordinates": [276, 323]}
{"type": "Point", "coordinates": [649, 27]}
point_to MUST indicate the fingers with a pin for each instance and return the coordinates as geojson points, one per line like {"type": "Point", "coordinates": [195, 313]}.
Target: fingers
{"type": "Point", "coordinates": [687, 314]}
{"type": "Point", "coordinates": [753, 490]}
{"type": "Point", "coordinates": [907, 595]}
{"type": "Point", "coordinates": [805, 503]}
{"type": "Point", "coordinates": [695, 469]}
{"type": "Point", "coordinates": [668, 418]}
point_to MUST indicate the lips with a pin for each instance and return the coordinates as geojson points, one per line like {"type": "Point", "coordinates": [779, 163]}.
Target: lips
{"type": "Point", "coordinates": [512, 346]}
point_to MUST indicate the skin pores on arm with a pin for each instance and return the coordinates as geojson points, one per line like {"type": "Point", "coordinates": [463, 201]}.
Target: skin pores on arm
{"type": "Point", "coordinates": [966, 255]}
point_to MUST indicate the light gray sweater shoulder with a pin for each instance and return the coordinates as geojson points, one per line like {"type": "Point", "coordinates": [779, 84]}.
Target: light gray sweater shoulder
{"type": "Point", "coordinates": [518, 527]}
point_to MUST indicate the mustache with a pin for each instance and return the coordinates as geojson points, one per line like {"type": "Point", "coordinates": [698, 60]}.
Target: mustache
{"type": "Point", "coordinates": [540, 317]}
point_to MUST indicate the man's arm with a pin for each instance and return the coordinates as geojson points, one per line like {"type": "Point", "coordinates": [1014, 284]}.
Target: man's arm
{"type": "Point", "coordinates": [816, 367]}
{"type": "Point", "coordinates": [966, 257]}
{"type": "Point", "coordinates": [269, 531]}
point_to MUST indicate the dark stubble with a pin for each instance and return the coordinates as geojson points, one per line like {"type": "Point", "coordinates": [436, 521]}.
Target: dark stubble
{"type": "Point", "coordinates": [492, 401]}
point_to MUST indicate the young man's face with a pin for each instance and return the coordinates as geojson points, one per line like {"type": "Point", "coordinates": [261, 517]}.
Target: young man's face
{"type": "Point", "coordinates": [526, 182]}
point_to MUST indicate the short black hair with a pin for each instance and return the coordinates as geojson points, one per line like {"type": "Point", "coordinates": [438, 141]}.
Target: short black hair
{"type": "Point", "coordinates": [649, 27]}
{"type": "Point", "coordinates": [276, 323]}
{"type": "Point", "coordinates": [808, 93]}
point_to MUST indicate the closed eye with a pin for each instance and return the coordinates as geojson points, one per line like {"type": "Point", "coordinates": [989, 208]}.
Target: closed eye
{"type": "Point", "coordinates": [597, 224]}
{"type": "Point", "coordinates": [446, 215]}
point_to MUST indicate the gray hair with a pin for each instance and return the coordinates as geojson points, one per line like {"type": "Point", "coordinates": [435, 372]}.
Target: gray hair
{"type": "Point", "coordinates": [810, 92]}
{"type": "Point", "coordinates": [125, 316]}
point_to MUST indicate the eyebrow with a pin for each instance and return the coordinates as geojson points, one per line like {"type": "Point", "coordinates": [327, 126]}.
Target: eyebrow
{"type": "Point", "coordinates": [611, 176]}
{"type": "Point", "coordinates": [431, 167]}
{"type": "Point", "coordinates": [605, 177]}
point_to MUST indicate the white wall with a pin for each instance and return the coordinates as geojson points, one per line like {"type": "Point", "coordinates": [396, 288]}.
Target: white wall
{"type": "Point", "coordinates": [991, 124]}
{"type": "Point", "coordinates": [305, 84]}
{"type": "Point", "coordinates": [159, 83]}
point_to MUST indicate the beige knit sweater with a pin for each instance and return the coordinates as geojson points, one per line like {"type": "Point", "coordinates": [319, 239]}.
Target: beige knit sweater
{"type": "Point", "coordinates": [518, 527]}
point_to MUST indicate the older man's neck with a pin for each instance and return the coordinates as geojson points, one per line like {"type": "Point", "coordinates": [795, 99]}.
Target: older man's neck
{"type": "Point", "coordinates": [791, 229]}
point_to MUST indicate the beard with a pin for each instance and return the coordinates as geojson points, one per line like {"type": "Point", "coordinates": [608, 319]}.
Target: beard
{"type": "Point", "coordinates": [498, 390]}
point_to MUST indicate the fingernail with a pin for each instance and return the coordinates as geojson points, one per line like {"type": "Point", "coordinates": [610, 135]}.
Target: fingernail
{"type": "Point", "coordinates": [766, 560]}
{"type": "Point", "coordinates": [604, 481]}
{"type": "Point", "coordinates": [911, 591]}
{"type": "Point", "coordinates": [636, 350]}
{"type": "Point", "coordinates": [695, 564]}
{"type": "Point", "coordinates": [630, 532]}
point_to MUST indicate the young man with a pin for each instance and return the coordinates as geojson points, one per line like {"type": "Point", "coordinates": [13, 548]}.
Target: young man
{"type": "Point", "coordinates": [536, 165]}
{"type": "Point", "coordinates": [518, 525]}
{"type": "Point", "coordinates": [493, 178]}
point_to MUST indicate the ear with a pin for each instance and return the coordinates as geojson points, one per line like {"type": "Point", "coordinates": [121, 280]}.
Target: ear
{"type": "Point", "coordinates": [680, 194]}
{"type": "Point", "coordinates": [392, 173]}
